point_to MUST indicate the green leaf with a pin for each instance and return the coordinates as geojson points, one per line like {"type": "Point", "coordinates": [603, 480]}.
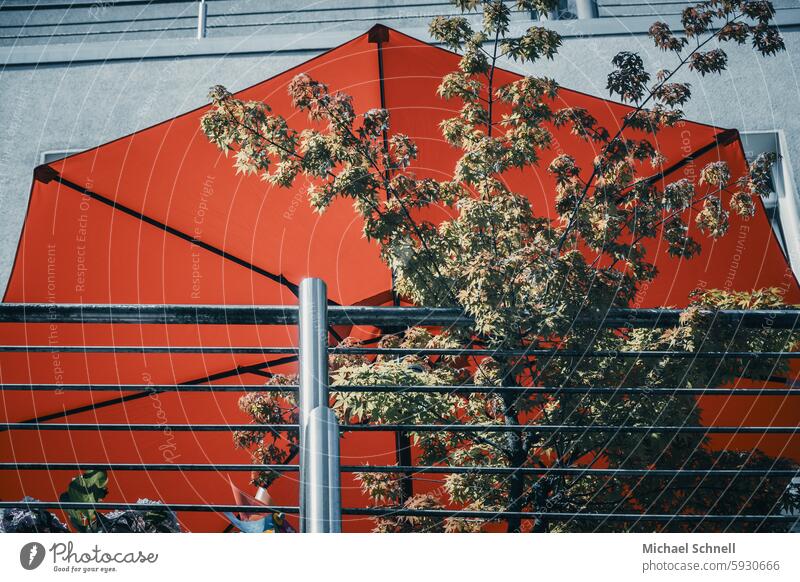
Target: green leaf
{"type": "Point", "coordinates": [90, 487]}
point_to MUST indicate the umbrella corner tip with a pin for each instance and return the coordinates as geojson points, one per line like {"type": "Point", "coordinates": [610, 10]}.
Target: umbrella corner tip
{"type": "Point", "coordinates": [378, 33]}
{"type": "Point", "coordinates": [45, 174]}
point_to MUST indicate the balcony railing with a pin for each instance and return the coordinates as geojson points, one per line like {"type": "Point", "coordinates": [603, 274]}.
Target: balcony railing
{"type": "Point", "coordinates": [27, 22]}
{"type": "Point", "coordinates": [319, 432]}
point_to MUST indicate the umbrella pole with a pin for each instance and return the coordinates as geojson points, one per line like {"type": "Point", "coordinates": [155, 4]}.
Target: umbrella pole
{"type": "Point", "coordinates": [402, 443]}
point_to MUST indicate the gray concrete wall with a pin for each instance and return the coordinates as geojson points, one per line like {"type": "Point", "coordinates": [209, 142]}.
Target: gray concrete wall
{"type": "Point", "coordinates": [58, 98]}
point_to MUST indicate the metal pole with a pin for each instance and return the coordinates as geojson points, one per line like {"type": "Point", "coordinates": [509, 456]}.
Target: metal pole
{"type": "Point", "coordinates": [586, 9]}
{"type": "Point", "coordinates": [313, 385]}
{"type": "Point", "coordinates": [202, 13]}
{"type": "Point", "coordinates": [323, 506]}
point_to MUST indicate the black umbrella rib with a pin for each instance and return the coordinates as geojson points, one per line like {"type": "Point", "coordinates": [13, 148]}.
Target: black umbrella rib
{"type": "Point", "coordinates": [46, 174]}
{"type": "Point", "coordinates": [721, 139]}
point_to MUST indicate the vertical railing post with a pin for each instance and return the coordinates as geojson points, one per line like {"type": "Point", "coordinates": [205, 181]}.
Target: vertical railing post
{"type": "Point", "coordinates": [320, 506]}
{"type": "Point", "coordinates": [323, 498]}
{"type": "Point", "coordinates": [586, 9]}
{"type": "Point", "coordinates": [202, 14]}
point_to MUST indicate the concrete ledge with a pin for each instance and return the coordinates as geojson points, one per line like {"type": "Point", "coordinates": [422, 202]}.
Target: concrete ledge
{"type": "Point", "coordinates": [266, 43]}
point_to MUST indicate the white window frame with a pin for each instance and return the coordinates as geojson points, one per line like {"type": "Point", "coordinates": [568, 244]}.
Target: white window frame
{"type": "Point", "coordinates": [53, 155]}
{"type": "Point", "coordinates": [785, 198]}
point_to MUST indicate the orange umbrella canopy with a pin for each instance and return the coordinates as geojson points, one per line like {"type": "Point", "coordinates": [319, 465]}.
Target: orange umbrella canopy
{"type": "Point", "coordinates": [160, 216]}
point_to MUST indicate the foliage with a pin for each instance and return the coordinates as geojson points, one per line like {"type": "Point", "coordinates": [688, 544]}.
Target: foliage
{"type": "Point", "coordinates": [526, 278]}
{"type": "Point", "coordinates": [138, 520]}
{"type": "Point", "coordinates": [269, 408]}
{"type": "Point", "coordinates": [92, 487]}
{"type": "Point", "coordinates": [20, 520]}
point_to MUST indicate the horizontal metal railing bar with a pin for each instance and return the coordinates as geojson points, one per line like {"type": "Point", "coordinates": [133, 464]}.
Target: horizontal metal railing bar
{"type": "Point", "coordinates": [330, 21]}
{"type": "Point", "coordinates": [99, 466]}
{"type": "Point", "coordinates": [191, 4]}
{"type": "Point", "coordinates": [86, 5]}
{"type": "Point", "coordinates": [483, 470]}
{"type": "Point", "coordinates": [550, 428]}
{"type": "Point", "coordinates": [615, 317]}
{"type": "Point", "coordinates": [391, 511]}
{"type": "Point", "coordinates": [24, 27]}
{"type": "Point", "coordinates": [67, 34]}
{"type": "Point", "coordinates": [466, 352]}
{"type": "Point", "coordinates": [398, 316]}
{"type": "Point", "coordinates": [152, 349]}
{"type": "Point", "coordinates": [75, 505]}
{"type": "Point", "coordinates": [407, 469]}
{"type": "Point", "coordinates": [210, 18]}
{"type": "Point", "coordinates": [149, 427]}
{"type": "Point", "coordinates": [66, 30]}
{"type": "Point", "coordinates": [351, 315]}
{"type": "Point", "coordinates": [150, 387]}
{"type": "Point", "coordinates": [636, 4]}
{"type": "Point", "coordinates": [450, 389]}
{"type": "Point", "coordinates": [531, 428]}
{"type": "Point", "coordinates": [354, 8]}
{"type": "Point", "coordinates": [149, 314]}
{"type": "Point", "coordinates": [529, 390]}
{"type": "Point", "coordinates": [565, 516]}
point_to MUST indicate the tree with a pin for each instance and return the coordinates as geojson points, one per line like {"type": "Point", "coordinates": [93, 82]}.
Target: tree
{"type": "Point", "coordinates": [526, 279]}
